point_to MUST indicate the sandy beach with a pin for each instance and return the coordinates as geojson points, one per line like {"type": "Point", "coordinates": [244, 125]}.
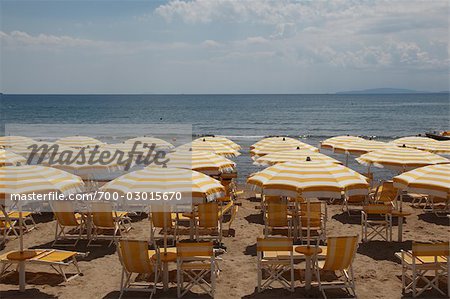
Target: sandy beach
{"type": "Point", "coordinates": [377, 271]}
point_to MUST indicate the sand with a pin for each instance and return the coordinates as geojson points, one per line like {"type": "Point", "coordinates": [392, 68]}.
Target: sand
{"type": "Point", "coordinates": [378, 273]}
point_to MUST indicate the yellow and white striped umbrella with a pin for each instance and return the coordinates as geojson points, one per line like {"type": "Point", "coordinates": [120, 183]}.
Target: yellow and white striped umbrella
{"type": "Point", "coordinates": [85, 163]}
{"type": "Point", "coordinates": [225, 141]}
{"type": "Point", "coordinates": [401, 158]}
{"type": "Point", "coordinates": [330, 143]}
{"type": "Point", "coordinates": [159, 143]}
{"type": "Point", "coordinates": [8, 158]}
{"type": "Point", "coordinates": [204, 162]}
{"type": "Point", "coordinates": [39, 148]}
{"type": "Point", "coordinates": [413, 141]}
{"type": "Point", "coordinates": [9, 141]}
{"type": "Point", "coordinates": [79, 141]}
{"type": "Point", "coordinates": [38, 179]}
{"type": "Point", "coordinates": [439, 147]}
{"type": "Point", "coordinates": [267, 140]}
{"type": "Point", "coordinates": [308, 180]}
{"type": "Point", "coordinates": [134, 149]}
{"type": "Point", "coordinates": [279, 146]}
{"type": "Point", "coordinates": [209, 146]}
{"type": "Point", "coordinates": [154, 179]}
{"type": "Point", "coordinates": [433, 180]}
{"type": "Point", "coordinates": [360, 147]}
{"type": "Point", "coordinates": [297, 155]}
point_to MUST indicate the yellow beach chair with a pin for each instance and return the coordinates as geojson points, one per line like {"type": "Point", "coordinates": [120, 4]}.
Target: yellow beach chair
{"type": "Point", "coordinates": [196, 260]}
{"type": "Point", "coordinates": [66, 218]}
{"type": "Point", "coordinates": [208, 219]}
{"type": "Point", "coordinates": [277, 217]}
{"type": "Point", "coordinates": [355, 200]}
{"type": "Point", "coordinates": [317, 220]}
{"type": "Point", "coordinates": [421, 263]}
{"type": "Point", "coordinates": [339, 258]}
{"type": "Point", "coordinates": [376, 220]}
{"type": "Point", "coordinates": [167, 222]}
{"type": "Point", "coordinates": [137, 259]}
{"type": "Point", "coordinates": [385, 193]}
{"type": "Point", "coordinates": [56, 259]}
{"type": "Point", "coordinates": [276, 265]}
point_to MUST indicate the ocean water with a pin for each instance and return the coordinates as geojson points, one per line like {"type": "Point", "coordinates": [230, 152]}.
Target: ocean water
{"type": "Point", "coordinates": [244, 118]}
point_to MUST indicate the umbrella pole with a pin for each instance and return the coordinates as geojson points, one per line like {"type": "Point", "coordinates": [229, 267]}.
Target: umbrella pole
{"type": "Point", "coordinates": [308, 208]}
{"type": "Point", "coordinates": [346, 159]}
{"type": "Point", "coordinates": [21, 263]}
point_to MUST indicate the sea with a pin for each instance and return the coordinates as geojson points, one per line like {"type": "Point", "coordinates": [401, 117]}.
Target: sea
{"type": "Point", "coordinates": [243, 118]}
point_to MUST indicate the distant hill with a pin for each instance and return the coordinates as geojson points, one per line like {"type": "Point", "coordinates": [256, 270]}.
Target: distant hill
{"type": "Point", "coordinates": [381, 91]}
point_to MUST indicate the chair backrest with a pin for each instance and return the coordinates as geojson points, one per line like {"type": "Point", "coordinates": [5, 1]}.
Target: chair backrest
{"type": "Point", "coordinates": [133, 255]}
{"type": "Point", "coordinates": [277, 214]}
{"type": "Point", "coordinates": [340, 252]}
{"type": "Point", "coordinates": [195, 249]}
{"type": "Point", "coordinates": [102, 214]}
{"type": "Point", "coordinates": [208, 216]}
{"type": "Point", "coordinates": [380, 209]}
{"type": "Point", "coordinates": [274, 244]}
{"type": "Point", "coordinates": [428, 249]}
{"type": "Point", "coordinates": [162, 219]}
{"type": "Point", "coordinates": [64, 213]}
{"type": "Point", "coordinates": [356, 199]}
{"type": "Point", "coordinates": [315, 213]}
{"type": "Point", "coordinates": [386, 192]}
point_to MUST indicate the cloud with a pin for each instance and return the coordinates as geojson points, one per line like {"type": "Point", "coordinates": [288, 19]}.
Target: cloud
{"type": "Point", "coordinates": [20, 38]}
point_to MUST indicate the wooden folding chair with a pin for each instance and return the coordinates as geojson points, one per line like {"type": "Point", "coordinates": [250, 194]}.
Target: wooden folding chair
{"type": "Point", "coordinates": [426, 263]}
{"type": "Point", "coordinates": [66, 218]}
{"type": "Point", "coordinates": [376, 220]}
{"type": "Point", "coordinates": [277, 217]}
{"type": "Point", "coordinates": [339, 258]}
{"type": "Point", "coordinates": [275, 264]}
{"type": "Point", "coordinates": [195, 261]}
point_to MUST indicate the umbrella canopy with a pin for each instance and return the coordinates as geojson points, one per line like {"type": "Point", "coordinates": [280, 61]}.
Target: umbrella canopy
{"type": "Point", "coordinates": [280, 145]}
{"type": "Point", "coordinates": [225, 141]}
{"type": "Point", "coordinates": [413, 141]}
{"type": "Point", "coordinates": [38, 179]}
{"type": "Point", "coordinates": [209, 146]}
{"type": "Point", "coordinates": [439, 147]}
{"type": "Point", "coordinates": [86, 166]}
{"type": "Point", "coordinates": [267, 140]}
{"type": "Point", "coordinates": [154, 179]}
{"type": "Point", "coordinates": [25, 149]}
{"type": "Point", "coordinates": [360, 147]}
{"type": "Point", "coordinates": [8, 141]}
{"type": "Point", "coordinates": [296, 155]}
{"type": "Point", "coordinates": [159, 143]}
{"type": "Point", "coordinates": [205, 162]}
{"type": "Point", "coordinates": [11, 159]}
{"type": "Point", "coordinates": [309, 179]}
{"type": "Point", "coordinates": [401, 159]}
{"type": "Point", "coordinates": [433, 180]}
{"type": "Point", "coordinates": [330, 143]}
{"type": "Point", "coordinates": [79, 141]}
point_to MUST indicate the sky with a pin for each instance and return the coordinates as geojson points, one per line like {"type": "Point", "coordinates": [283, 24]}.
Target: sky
{"type": "Point", "coordinates": [223, 46]}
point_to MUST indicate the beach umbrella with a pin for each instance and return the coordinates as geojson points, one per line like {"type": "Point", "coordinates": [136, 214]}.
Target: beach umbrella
{"type": "Point", "coordinates": [439, 147]}
{"type": "Point", "coordinates": [159, 143]}
{"type": "Point", "coordinates": [79, 141]}
{"type": "Point", "coordinates": [8, 158]}
{"type": "Point", "coordinates": [134, 150]}
{"type": "Point", "coordinates": [209, 146]}
{"type": "Point", "coordinates": [267, 140]}
{"type": "Point", "coordinates": [204, 162]}
{"type": "Point", "coordinates": [433, 180]}
{"type": "Point", "coordinates": [225, 141]}
{"type": "Point", "coordinates": [295, 155]}
{"type": "Point", "coordinates": [8, 141]}
{"type": "Point", "coordinates": [413, 141]}
{"type": "Point", "coordinates": [35, 179]}
{"type": "Point", "coordinates": [280, 145]}
{"type": "Point", "coordinates": [25, 149]}
{"type": "Point", "coordinates": [359, 147]}
{"type": "Point", "coordinates": [330, 143]}
{"type": "Point", "coordinates": [400, 159]}
{"type": "Point", "coordinates": [86, 164]}
{"type": "Point", "coordinates": [153, 180]}
{"type": "Point", "coordinates": [308, 180]}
